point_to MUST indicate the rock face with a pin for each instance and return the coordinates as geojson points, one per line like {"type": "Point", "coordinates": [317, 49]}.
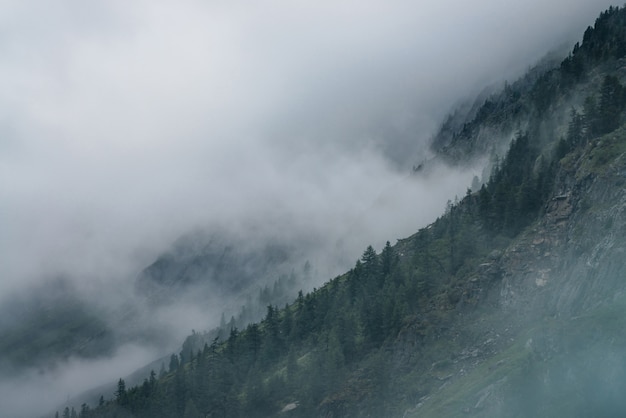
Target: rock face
{"type": "Point", "coordinates": [573, 259]}
{"type": "Point", "coordinates": [546, 339]}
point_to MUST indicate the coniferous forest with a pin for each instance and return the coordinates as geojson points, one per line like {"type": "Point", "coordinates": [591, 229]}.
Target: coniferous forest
{"type": "Point", "coordinates": [368, 342]}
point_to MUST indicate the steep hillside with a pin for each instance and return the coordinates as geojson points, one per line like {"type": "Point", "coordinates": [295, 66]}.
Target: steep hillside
{"type": "Point", "coordinates": [511, 304]}
{"type": "Point", "coordinates": [539, 103]}
{"type": "Point", "coordinates": [553, 344]}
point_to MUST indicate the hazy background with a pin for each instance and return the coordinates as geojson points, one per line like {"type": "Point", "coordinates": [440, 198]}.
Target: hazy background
{"type": "Point", "coordinates": [126, 124]}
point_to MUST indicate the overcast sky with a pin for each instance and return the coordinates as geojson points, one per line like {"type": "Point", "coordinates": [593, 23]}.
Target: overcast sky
{"type": "Point", "coordinates": [124, 124]}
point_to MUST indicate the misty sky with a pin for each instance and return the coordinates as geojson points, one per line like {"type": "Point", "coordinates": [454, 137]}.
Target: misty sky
{"type": "Point", "coordinates": [125, 124]}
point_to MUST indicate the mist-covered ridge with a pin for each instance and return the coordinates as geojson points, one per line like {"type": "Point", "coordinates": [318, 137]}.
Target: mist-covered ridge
{"type": "Point", "coordinates": [555, 85]}
{"type": "Point", "coordinates": [509, 304]}
{"type": "Point", "coordinates": [263, 210]}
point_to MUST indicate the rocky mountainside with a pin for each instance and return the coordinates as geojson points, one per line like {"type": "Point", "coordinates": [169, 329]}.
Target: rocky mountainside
{"type": "Point", "coordinates": [546, 339]}
{"type": "Point", "coordinates": [511, 304]}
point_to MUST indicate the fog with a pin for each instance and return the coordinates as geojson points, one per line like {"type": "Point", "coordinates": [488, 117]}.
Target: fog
{"type": "Point", "coordinates": [38, 392]}
{"type": "Point", "coordinates": [124, 126]}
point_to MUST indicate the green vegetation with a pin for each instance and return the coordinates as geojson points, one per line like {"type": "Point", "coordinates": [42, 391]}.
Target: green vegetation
{"type": "Point", "coordinates": [543, 98]}
{"type": "Point", "coordinates": [378, 340]}
{"type": "Point", "coordinates": [327, 349]}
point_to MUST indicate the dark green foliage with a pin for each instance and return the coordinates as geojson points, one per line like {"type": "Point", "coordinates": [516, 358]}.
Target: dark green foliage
{"type": "Point", "coordinates": [600, 116]}
{"type": "Point", "coordinates": [174, 363]}
{"type": "Point", "coordinates": [327, 349]}
{"type": "Point", "coordinates": [281, 292]}
{"type": "Point", "coordinates": [543, 91]}
{"type": "Point", "coordinates": [576, 129]}
{"type": "Point", "coordinates": [120, 392]}
{"type": "Point", "coordinates": [309, 350]}
{"type": "Point", "coordinates": [605, 40]}
{"type": "Point", "coordinates": [597, 117]}
{"type": "Point", "coordinates": [612, 101]}
{"type": "Point", "coordinates": [515, 193]}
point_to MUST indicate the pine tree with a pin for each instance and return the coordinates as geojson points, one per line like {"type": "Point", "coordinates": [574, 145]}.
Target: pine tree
{"type": "Point", "coordinates": [84, 411]}
{"type": "Point", "coordinates": [120, 392]}
{"type": "Point", "coordinates": [611, 104]}
{"type": "Point", "coordinates": [253, 336]}
{"type": "Point", "coordinates": [386, 259]}
{"type": "Point", "coordinates": [174, 363]}
{"type": "Point", "coordinates": [371, 269]}
{"type": "Point", "coordinates": [575, 133]}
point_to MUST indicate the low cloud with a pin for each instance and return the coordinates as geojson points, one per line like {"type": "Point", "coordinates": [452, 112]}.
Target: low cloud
{"type": "Point", "coordinates": [38, 392]}
{"type": "Point", "coordinates": [124, 126]}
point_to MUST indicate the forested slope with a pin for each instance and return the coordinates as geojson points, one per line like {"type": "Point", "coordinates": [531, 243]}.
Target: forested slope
{"type": "Point", "coordinates": [510, 304]}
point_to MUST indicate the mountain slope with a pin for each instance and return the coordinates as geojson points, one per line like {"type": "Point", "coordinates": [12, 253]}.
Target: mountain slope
{"type": "Point", "coordinates": [554, 346]}
{"type": "Point", "coordinates": [510, 304]}
{"type": "Point", "coordinates": [541, 101]}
